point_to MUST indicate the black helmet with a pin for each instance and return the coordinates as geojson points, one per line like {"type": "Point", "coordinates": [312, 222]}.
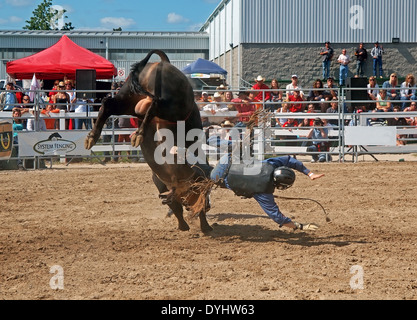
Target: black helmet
{"type": "Point", "coordinates": [284, 178]}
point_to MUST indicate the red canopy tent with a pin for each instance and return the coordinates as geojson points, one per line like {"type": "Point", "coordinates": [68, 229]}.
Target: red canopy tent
{"type": "Point", "coordinates": [59, 61]}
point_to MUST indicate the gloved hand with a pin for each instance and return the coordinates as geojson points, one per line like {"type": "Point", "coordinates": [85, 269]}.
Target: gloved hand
{"type": "Point", "coordinates": [306, 226]}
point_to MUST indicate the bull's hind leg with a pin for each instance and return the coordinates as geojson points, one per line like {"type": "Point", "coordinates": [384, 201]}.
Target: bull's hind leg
{"type": "Point", "coordinates": [204, 225]}
{"type": "Point", "coordinates": [174, 205]}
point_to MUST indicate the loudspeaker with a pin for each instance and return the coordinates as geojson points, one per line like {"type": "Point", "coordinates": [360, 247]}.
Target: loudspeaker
{"type": "Point", "coordinates": [356, 94]}
{"type": "Point", "coordinates": [85, 80]}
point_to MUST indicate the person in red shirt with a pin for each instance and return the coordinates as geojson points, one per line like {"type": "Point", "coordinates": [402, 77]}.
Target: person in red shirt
{"type": "Point", "coordinates": [245, 108]}
{"type": "Point", "coordinates": [296, 97]}
{"type": "Point", "coordinates": [260, 85]}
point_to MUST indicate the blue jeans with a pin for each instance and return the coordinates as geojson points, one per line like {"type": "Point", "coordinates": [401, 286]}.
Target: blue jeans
{"type": "Point", "coordinates": [326, 69]}
{"type": "Point", "coordinates": [343, 74]}
{"type": "Point", "coordinates": [378, 62]}
{"type": "Point", "coordinates": [360, 68]}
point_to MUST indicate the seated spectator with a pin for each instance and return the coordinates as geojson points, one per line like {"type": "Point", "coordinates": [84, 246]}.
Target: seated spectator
{"type": "Point", "coordinates": [205, 122]}
{"type": "Point", "coordinates": [373, 88]}
{"type": "Point", "coordinates": [397, 121]}
{"type": "Point", "coordinates": [296, 97]}
{"type": "Point", "coordinates": [311, 109]}
{"type": "Point", "coordinates": [290, 123]}
{"type": "Point", "coordinates": [262, 94]}
{"type": "Point", "coordinates": [407, 93]}
{"type": "Point", "coordinates": [245, 108]}
{"type": "Point", "coordinates": [293, 85]}
{"type": "Point", "coordinates": [319, 132]}
{"type": "Point", "coordinates": [18, 125]}
{"type": "Point", "coordinates": [284, 109]}
{"type": "Point", "coordinates": [411, 108]}
{"type": "Point", "coordinates": [276, 95]}
{"type": "Point", "coordinates": [204, 99]}
{"type": "Point", "coordinates": [376, 122]}
{"type": "Point", "coordinates": [36, 123]}
{"type": "Point", "coordinates": [331, 91]}
{"type": "Point", "coordinates": [317, 95]}
{"type": "Point", "coordinates": [382, 103]}
{"type": "Point", "coordinates": [391, 86]}
{"type": "Point", "coordinates": [216, 106]}
{"type": "Point", "coordinates": [334, 108]}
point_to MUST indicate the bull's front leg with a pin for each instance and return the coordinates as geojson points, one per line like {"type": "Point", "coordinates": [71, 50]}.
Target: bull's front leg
{"type": "Point", "coordinates": [95, 133]}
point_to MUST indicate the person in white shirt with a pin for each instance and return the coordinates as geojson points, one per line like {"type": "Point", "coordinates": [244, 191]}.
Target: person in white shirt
{"type": "Point", "coordinates": [294, 85]}
{"type": "Point", "coordinates": [216, 106]}
{"type": "Point", "coordinates": [344, 60]}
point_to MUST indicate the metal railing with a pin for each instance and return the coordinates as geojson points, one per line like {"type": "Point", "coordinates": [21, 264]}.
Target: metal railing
{"type": "Point", "coordinates": [270, 137]}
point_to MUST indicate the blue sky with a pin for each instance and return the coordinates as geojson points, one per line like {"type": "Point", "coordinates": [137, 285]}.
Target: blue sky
{"type": "Point", "coordinates": [130, 15]}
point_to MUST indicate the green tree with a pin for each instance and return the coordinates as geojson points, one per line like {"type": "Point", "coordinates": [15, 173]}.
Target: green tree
{"type": "Point", "coordinates": [43, 18]}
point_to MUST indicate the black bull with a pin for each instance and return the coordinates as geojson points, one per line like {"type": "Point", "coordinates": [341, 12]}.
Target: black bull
{"type": "Point", "coordinates": [160, 96]}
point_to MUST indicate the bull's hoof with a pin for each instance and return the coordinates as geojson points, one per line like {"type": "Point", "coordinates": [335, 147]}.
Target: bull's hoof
{"type": "Point", "coordinates": [183, 226]}
{"type": "Point", "coordinates": [136, 140]}
{"type": "Point", "coordinates": [89, 142]}
{"type": "Point", "coordinates": [206, 229]}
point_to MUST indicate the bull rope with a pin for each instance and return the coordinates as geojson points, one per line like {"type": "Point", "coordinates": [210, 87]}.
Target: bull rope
{"type": "Point", "coordinates": [307, 199]}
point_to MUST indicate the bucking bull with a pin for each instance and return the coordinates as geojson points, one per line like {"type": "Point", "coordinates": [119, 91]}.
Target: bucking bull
{"type": "Point", "coordinates": [162, 98]}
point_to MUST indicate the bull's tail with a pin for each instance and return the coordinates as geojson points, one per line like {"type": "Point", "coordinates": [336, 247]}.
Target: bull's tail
{"type": "Point", "coordinates": [139, 66]}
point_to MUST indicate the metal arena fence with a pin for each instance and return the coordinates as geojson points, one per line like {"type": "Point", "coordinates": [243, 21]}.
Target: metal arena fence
{"type": "Point", "coordinates": [351, 133]}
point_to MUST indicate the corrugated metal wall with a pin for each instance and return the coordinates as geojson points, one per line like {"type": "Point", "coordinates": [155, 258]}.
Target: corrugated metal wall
{"type": "Point", "coordinates": [339, 21]}
{"type": "Point", "coordinates": [311, 21]}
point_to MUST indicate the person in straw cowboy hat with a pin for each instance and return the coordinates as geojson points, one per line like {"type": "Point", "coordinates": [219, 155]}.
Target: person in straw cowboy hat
{"type": "Point", "coordinates": [260, 85]}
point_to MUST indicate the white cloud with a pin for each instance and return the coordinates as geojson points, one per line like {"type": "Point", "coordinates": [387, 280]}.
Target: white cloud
{"type": "Point", "coordinates": [176, 18]}
{"type": "Point", "coordinates": [117, 22]}
{"type": "Point", "coordinates": [14, 19]}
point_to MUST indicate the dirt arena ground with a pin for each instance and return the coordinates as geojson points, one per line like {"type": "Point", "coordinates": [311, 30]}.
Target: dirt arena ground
{"type": "Point", "coordinates": [100, 232]}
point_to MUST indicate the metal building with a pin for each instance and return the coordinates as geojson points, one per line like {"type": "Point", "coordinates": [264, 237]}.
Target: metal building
{"type": "Point", "coordinates": [277, 38]}
{"type": "Point", "coordinates": [121, 48]}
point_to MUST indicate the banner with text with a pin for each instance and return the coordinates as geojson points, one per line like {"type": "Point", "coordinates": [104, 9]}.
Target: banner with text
{"type": "Point", "coordinates": [52, 143]}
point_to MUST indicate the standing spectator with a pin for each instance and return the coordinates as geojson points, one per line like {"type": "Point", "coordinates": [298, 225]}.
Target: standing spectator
{"type": "Point", "coordinates": [8, 99]}
{"type": "Point", "coordinates": [407, 93]}
{"type": "Point", "coordinates": [294, 85]}
{"type": "Point", "coordinates": [260, 85]}
{"type": "Point", "coordinates": [392, 88]}
{"type": "Point", "coordinates": [361, 56]}
{"type": "Point", "coordinates": [373, 88]}
{"type": "Point", "coordinates": [376, 53]}
{"type": "Point", "coordinates": [344, 60]}
{"type": "Point", "coordinates": [18, 125]}
{"type": "Point", "coordinates": [81, 105]}
{"type": "Point", "coordinates": [50, 123]}
{"type": "Point", "coordinates": [327, 54]}
{"type": "Point", "coordinates": [204, 99]}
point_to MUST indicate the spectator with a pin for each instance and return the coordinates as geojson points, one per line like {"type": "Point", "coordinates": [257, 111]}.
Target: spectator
{"type": "Point", "coordinates": [329, 94]}
{"type": "Point", "coordinates": [334, 108]}
{"type": "Point", "coordinates": [71, 91]}
{"type": "Point", "coordinates": [373, 88]}
{"type": "Point", "coordinates": [319, 132]}
{"type": "Point", "coordinates": [382, 102]}
{"type": "Point", "coordinates": [376, 122]}
{"type": "Point", "coordinates": [54, 90]}
{"type": "Point", "coordinates": [311, 109]}
{"type": "Point", "coordinates": [18, 125]}
{"type": "Point", "coordinates": [294, 85]}
{"type": "Point", "coordinates": [411, 108]}
{"type": "Point", "coordinates": [50, 123]}
{"type": "Point", "coordinates": [327, 54]}
{"type": "Point", "coordinates": [276, 96]}
{"type": "Point", "coordinates": [296, 97]}
{"type": "Point", "coordinates": [124, 123]}
{"type": "Point", "coordinates": [284, 109]}
{"type": "Point", "coordinates": [290, 123]}
{"type": "Point", "coordinates": [260, 85]}
{"type": "Point", "coordinates": [82, 105]}
{"type": "Point", "coordinates": [8, 99]}
{"type": "Point", "coordinates": [216, 106]}
{"type": "Point", "coordinates": [376, 53]}
{"type": "Point", "coordinates": [61, 98]}
{"type": "Point", "coordinates": [407, 93]}
{"type": "Point", "coordinates": [391, 86]}
{"type": "Point", "coordinates": [316, 95]}
{"type": "Point", "coordinates": [245, 108]}
{"type": "Point", "coordinates": [205, 99]}
{"type": "Point", "coordinates": [344, 60]}
{"type": "Point", "coordinates": [397, 121]}
{"type": "Point", "coordinates": [361, 56]}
